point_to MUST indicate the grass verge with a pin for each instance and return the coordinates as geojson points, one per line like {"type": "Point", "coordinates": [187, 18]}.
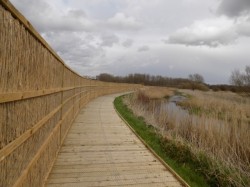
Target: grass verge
{"type": "Point", "coordinates": [160, 146]}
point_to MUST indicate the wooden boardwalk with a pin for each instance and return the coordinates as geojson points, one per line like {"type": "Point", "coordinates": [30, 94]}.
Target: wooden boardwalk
{"type": "Point", "coordinates": [100, 150]}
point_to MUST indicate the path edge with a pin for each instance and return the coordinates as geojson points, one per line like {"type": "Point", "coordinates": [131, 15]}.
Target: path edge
{"type": "Point", "coordinates": [179, 178]}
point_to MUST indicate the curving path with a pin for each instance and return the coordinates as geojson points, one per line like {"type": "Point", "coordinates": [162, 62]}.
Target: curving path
{"type": "Point", "coordinates": [100, 150]}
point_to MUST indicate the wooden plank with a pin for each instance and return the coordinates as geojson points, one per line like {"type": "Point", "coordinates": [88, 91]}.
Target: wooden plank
{"type": "Point", "coordinates": [117, 184]}
{"type": "Point", "coordinates": [109, 175]}
{"type": "Point", "coordinates": [10, 97]}
{"type": "Point", "coordinates": [109, 171]}
{"type": "Point", "coordinates": [114, 153]}
{"type": "Point", "coordinates": [100, 150]}
{"type": "Point", "coordinates": [103, 161]}
{"type": "Point", "coordinates": [109, 148]}
{"type": "Point", "coordinates": [100, 168]}
{"type": "Point", "coordinates": [114, 180]}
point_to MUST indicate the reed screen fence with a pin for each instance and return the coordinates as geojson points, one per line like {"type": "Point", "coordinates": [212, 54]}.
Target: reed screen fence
{"type": "Point", "coordinates": [39, 99]}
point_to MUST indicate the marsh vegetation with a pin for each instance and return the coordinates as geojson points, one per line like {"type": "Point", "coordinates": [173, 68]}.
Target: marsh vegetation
{"type": "Point", "coordinates": [211, 130]}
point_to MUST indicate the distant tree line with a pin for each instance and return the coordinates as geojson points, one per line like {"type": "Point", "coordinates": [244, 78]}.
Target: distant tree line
{"type": "Point", "coordinates": [196, 78]}
{"type": "Point", "coordinates": [232, 88]}
{"type": "Point", "coordinates": [195, 81]}
{"type": "Point", "coordinates": [144, 79]}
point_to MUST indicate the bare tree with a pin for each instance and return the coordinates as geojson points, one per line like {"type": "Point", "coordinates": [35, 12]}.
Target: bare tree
{"type": "Point", "coordinates": [240, 79]}
{"type": "Point", "coordinates": [196, 78]}
{"type": "Point", "coordinates": [247, 76]}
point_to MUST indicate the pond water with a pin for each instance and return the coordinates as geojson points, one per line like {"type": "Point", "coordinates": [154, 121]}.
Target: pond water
{"type": "Point", "coordinates": [176, 98]}
{"type": "Point", "coordinates": [172, 107]}
{"type": "Point", "coordinates": [179, 114]}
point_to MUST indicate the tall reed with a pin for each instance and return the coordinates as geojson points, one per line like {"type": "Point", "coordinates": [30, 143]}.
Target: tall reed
{"type": "Point", "coordinates": [216, 124]}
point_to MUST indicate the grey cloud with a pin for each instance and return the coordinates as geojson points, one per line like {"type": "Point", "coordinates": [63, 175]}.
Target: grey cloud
{"type": "Point", "coordinates": [46, 18]}
{"type": "Point", "coordinates": [73, 48]}
{"type": "Point", "coordinates": [89, 38]}
{"type": "Point", "coordinates": [122, 22]}
{"type": "Point", "coordinates": [217, 31]}
{"type": "Point", "coordinates": [76, 13]}
{"type": "Point", "coordinates": [128, 43]}
{"type": "Point", "coordinates": [207, 32]}
{"type": "Point", "coordinates": [213, 64]}
{"type": "Point", "coordinates": [243, 28]}
{"type": "Point", "coordinates": [189, 38]}
{"type": "Point", "coordinates": [143, 48]}
{"type": "Point", "coordinates": [74, 29]}
{"type": "Point", "coordinates": [30, 7]}
{"type": "Point", "coordinates": [73, 20]}
{"type": "Point", "coordinates": [234, 8]}
{"type": "Point", "coordinates": [109, 40]}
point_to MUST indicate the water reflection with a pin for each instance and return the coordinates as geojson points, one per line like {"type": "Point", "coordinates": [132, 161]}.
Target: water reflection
{"type": "Point", "coordinates": [180, 116]}
{"type": "Point", "coordinates": [171, 106]}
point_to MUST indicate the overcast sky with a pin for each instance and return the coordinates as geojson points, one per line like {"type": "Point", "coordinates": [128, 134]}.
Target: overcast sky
{"type": "Point", "coordinates": [159, 37]}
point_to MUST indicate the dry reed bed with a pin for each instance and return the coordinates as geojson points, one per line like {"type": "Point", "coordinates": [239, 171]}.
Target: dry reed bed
{"type": "Point", "coordinates": [32, 129]}
{"type": "Point", "coordinates": [226, 118]}
{"type": "Point", "coordinates": [154, 92]}
{"type": "Point", "coordinates": [225, 139]}
{"type": "Point", "coordinates": [224, 105]}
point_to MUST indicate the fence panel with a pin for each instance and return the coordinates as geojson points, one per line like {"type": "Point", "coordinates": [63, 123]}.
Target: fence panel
{"type": "Point", "coordinates": [39, 99]}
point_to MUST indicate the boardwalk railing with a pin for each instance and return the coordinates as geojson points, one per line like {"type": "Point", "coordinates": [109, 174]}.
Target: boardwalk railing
{"type": "Point", "coordinates": [39, 98]}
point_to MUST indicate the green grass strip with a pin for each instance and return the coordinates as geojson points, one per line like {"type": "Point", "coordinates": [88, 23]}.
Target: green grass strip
{"type": "Point", "coordinates": [156, 142]}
